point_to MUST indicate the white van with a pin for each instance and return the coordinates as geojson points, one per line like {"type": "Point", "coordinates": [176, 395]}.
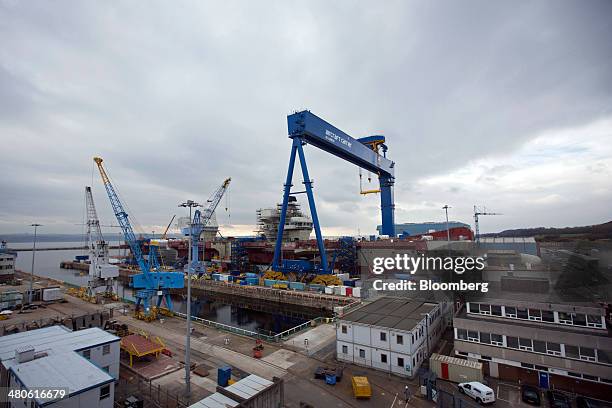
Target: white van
{"type": "Point", "coordinates": [480, 392]}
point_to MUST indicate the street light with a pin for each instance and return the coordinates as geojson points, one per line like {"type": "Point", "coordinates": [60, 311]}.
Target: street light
{"type": "Point", "coordinates": [445, 208]}
{"type": "Point", "coordinates": [33, 257]}
{"type": "Point", "coordinates": [190, 204]}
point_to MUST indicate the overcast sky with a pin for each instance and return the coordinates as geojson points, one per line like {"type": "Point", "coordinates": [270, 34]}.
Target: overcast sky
{"type": "Point", "coordinates": [506, 105]}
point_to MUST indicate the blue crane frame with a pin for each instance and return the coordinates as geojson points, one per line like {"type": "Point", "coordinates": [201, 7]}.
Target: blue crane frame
{"type": "Point", "coordinates": [150, 281]}
{"type": "Point", "coordinates": [307, 128]}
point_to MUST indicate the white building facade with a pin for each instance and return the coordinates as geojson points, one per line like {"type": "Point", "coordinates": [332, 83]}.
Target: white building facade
{"type": "Point", "coordinates": [391, 334]}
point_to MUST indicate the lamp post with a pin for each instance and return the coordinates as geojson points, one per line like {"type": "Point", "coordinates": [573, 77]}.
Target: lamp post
{"type": "Point", "coordinates": [33, 257]}
{"type": "Point", "coordinates": [189, 204]}
{"type": "Point", "coordinates": [445, 208]}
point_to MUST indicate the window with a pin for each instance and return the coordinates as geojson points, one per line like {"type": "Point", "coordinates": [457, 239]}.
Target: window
{"type": "Point", "coordinates": [578, 375]}
{"type": "Point", "coordinates": [553, 348]}
{"type": "Point", "coordinates": [535, 314]}
{"type": "Point", "coordinates": [527, 365]}
{"type": "Point", "coordinates": [541, 368]}
{"type": "Point", "coordinates": [587, 353]}
{"type": "Point", "coordinates": [594, 321]}
{"type": "Point", "coordinates": [486, 358]}
{"type": "Point", "coordinates": [106, 368]}
{"type": "Point", "coordinates": [472, 335]}
{"type": "Point", "coordinates": [383, 336]}
{"type": "Point", "coordinates": [474, 308]}
{"type": "Point", "coordinates": [590, 377]}
{"type": "Point", "coordinates": [521, 313]}
{"type": "Point", "coordinates": [510, 311]}
{"type": "Point", "coordinates": [87, 354]}
{"type": "Point", "coordinates": [525, 344]}
{"type": "Point", "coordinates": [579, 319]}
{"type": "Point", "coordinates": [462, 353]}
{"type": "Point", "coordinates": [497, 339]}
{"type": "Point", "coordinates": [400, 361]}
{"type": "Point", "coordinates": [565, 318]}
{"type": "Point", "coordinates": [512, 342]}
{"type": "Point", "coordinates": [104, 392]}
{"type": "Point", "coordinates": [496, 310]}
{"type": "Point", "coordinates": [539, 346]}
{"type": "Point", "coordinates": [106, 349]}
{"type": "Point", "coordinates": [485, 309]}
{"type": "Point", "coordinates": [383, 358]}
{"type": "Point", "coordinates": [399, 339]}
{"type": "Point", "coordinates": [344, 329]}
{"type": "Point", "coordinates": [548, 316]}
{"type": "Point", "coordinates": [604, 356]}
{"type": "Point", "coordinates": [461, 334]}
{"type": "Point", "coordinates": [485, 338]}
{"type": "Point", "coordinates": [361, 353]}
{"type": "Point", "coordinates": [571, 351]}
{"type": "Point", "coordinates": [344, 349]}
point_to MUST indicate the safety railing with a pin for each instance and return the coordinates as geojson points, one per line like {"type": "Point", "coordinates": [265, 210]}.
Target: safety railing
{"type": "Point", "coordinates": [258, 335]}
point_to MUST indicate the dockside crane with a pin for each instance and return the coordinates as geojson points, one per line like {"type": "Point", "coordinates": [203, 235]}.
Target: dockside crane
{"type": "Point", "coordinates": [368, 153]}
{"type": "Point", "coordinates": [477, 213]}
{"type": "Point", "coordinates": [200, 221]}
{"type": "Point", "coordinates": [151, 282]}
{"type": "Point", "coordinates": [101, 272]}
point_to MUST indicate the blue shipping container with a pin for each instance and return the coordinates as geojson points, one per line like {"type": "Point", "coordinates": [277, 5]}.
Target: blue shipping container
{"type": "Point", "coordinates": [223, 375]}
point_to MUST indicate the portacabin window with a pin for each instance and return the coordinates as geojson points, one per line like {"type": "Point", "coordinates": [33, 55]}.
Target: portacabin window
{"type": "Point", "coordinates": [383, 358]}
{"type": "Point", "coordinates": [361, 353]}
{"type": "Point", "coordinates": [383, 336]}
{"type": "Point", "coordinates": [105, 392]}
{"type": "Point", "coordinates": [400, 361]}
{"type": "Point", "coordinates": [399, 339]}
{"type": "Point", "coordinates": [344, 329]}
{"type": "Point", "coordinates": [344, 349]}
{"type": "Point", "coordinates": [106, 349]}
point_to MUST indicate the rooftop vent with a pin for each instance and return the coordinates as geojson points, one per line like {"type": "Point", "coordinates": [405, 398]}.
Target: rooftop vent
{"type": "Point", "coordinates": [24, 353]}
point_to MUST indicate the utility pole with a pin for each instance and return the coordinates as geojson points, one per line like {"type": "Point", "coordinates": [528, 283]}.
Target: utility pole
{"type": "Point", "coordinates": [190, 204]}
{"type": "Point", "coordinates": [33, 257]}
{"type": "Point", "coordinates": [445, 208]}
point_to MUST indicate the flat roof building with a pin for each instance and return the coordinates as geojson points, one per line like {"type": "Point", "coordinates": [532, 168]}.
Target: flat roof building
{"type": "Point", "coordinates": [85, 363]}
{"type": "Point", "coordinates": [552, 345]}
{"type": "Point", "coordinates": [391, 334]}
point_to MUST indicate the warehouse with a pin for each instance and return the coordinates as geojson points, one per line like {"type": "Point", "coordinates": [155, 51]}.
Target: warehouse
{"type": "Point", "coordinates": [391, 334]}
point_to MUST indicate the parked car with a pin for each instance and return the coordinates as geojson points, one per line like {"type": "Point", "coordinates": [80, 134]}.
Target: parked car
{"type": "Point", "coordinates": [530, 395]}
{"type": "Point", "coordinates": [586, 402]}
{"type": "Point", "coordinates": [557, 400]}
{"type": "Point", "coordinates": [480, 392]}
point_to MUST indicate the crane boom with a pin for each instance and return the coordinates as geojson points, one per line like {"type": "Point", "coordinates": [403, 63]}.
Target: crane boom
{"type": "Point", "coordinates": [94, 232]}
{"type": "Point", "coordinates": [201, 220]}
{"type": "Point", "coordinates": [148, 283]}
{"type": "Point", "coordinates": [122, 218]}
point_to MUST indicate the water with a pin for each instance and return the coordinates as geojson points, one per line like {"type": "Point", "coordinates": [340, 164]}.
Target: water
{"type": "Point", "coordinates": [47, 265]}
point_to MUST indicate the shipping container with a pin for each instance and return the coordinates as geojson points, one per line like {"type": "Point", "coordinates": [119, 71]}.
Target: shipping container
{"type": "Point", "coordinates": [51, 294]}
{"type": "Point", "coordinates": [357, 292]}
{"type": "Point", "coordinates": [455, 369]}
{"type": "Point", "coordinates": [329, 290]}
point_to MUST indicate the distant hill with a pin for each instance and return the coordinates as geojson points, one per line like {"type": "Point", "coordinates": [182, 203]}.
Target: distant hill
{"type": "Point", "coordinates": [590, 232]}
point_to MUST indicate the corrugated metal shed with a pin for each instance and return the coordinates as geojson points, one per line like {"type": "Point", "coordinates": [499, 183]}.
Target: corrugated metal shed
{"type": "Point", "coordinates": [249, 386]}
{"type": "Point", "coordinates": [217, 400]}
{"type": "Point", "coordinates": [68, 370]}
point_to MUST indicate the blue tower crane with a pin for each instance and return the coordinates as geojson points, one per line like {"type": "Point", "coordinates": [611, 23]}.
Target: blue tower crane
{"type": "Point", "coordinates": [306, 128]}
{"type": "Point", "coordinates": [151, 281]}
{"type": "Point", "coordinates": [201, 220]}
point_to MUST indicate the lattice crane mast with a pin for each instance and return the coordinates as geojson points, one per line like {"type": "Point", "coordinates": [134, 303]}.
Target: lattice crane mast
{"type": "Point", "coordinates": [201, 220]}
{"type": "Point", "coordinates": [151, 281]}
{"type": "Point", "coordinates": [101, 272]}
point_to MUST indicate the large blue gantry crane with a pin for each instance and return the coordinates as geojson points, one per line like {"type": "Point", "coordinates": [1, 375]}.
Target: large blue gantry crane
{"type": "Point", "coordinates": [369, 153]}
{"type": "Point", "coordinates": [151, 281]}
{"type": "Point", "coordinates": [200, 221]}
